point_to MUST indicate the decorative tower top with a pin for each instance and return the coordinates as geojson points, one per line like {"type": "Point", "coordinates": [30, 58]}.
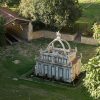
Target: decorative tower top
{"type": "Point", "coordinates": [58, 35]}
{"type": "Point", "coordinates": [62, 43]}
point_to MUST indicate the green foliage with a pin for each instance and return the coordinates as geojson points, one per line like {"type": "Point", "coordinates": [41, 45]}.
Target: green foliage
{"type": "Point", "coordinates": [98, 51]}
{"type": "Point", "coordinates": [10, 2]}
{"type": "Point", "coordinates": [92, 80]}
{"type": "Point", "coordinates": [96, 30]}
{"type": "Point", "coordinates": [2, 31]}
{"type": "Point", "coordinates": [59, 13]}
{"type": "Point", "coordinates": [26, 8]}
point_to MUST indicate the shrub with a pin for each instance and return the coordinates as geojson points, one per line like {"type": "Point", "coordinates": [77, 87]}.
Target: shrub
{"type": "Point", "coordinates": [2, 31]}
{"type": "Point", "coordinates": [98, 50]}
{"type": "Point", "coordinates": [92, 79]}
{"type": "Point", "coordinates": [96, 30]}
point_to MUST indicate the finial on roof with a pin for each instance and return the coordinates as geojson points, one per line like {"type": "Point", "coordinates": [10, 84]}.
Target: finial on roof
{"type": "Point", "coordinates": [58, 35]}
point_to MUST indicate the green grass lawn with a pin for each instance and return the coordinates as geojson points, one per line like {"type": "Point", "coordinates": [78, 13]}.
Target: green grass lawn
{"type": "Point", "coordinates": [91, 12]}
{"type": "Point", "coordinates": [26, 90]}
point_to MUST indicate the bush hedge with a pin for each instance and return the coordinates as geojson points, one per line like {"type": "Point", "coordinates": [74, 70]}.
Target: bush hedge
{"type": "Point", "coordinates": [92, 79]}
{"type": "Point", "coordinates": [96, 30]}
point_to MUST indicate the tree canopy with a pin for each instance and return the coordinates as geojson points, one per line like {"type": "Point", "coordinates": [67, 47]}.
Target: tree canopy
{"type": "Point", "coordinates": [59, 13]}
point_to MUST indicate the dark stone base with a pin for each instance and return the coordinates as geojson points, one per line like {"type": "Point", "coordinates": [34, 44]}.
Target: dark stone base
{"type": "Point", "coordinates": [74, 83]}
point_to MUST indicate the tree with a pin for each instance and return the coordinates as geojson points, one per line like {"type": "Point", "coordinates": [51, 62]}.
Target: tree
{"type": "Point", "coordinates": [92, 79]}
{"type": "Point", "coordinates": [59, 13]}
{"type": "Point", "coordinates": [2, 31]}
{"type": "Point", "coordinates": [27, 8]}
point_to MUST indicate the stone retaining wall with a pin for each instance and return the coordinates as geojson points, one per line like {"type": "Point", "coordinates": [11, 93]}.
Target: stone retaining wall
{"type": "Point", "coordinates": [52, 35]}
{"type": "Point", "coordinates": [90, 41]}
{"type": "Point", "coordinates": [36, 35]}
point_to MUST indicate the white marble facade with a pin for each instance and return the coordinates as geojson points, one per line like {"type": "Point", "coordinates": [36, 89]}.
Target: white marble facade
{"type": "Point", "coordinates": [57, 63]}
